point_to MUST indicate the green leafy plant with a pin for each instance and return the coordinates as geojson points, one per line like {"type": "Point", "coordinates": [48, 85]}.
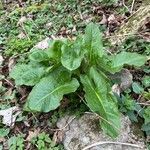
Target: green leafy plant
{"type": "Point", "coordinates": [16, 45]}
{"type": "Point", "coordinates": [16, 143]}
{"type": "Point", "coordinates": [71, 65]}
{"type": "Point", "coordinates": [146, 125]}
{"type": "Point", "coordinates": [129, 107]}
{"type": "Point", "coordinates": [43, 141]}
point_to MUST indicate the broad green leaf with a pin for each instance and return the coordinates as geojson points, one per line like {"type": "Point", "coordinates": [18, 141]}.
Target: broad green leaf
{"type": "Point", "coordinates": [127, 58]}
{"type": "Point", "coordinates": [26, 75]}
{"type": "Point", "coordinates": [72, 54]}
{"type": "Point", "coordinates": [104, 64]}
{"type": "Point", "coordinates": [39, 56]}
{"type": "Point", "coordinates": [93, 42]}
{"type": "Point", "coordinates": [54, 50]}
{"type": "Point", "coordinates": [48, 93]}
{"type": "Point", "coordinates": [100, 101]}
{"type": "Point", "coordinates": [137, 88]}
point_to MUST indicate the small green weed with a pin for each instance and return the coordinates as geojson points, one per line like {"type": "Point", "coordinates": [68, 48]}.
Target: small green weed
{"type": "Point", "coordinates": [16, 143]}
{"type": "Point", "coordinates": [43, 142]}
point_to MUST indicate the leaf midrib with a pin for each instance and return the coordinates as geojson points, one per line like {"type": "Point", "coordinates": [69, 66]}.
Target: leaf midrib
{"type": "Point", "coordinates": [49, 94]}
{"type": "Point", "coordinates": [99, 101]}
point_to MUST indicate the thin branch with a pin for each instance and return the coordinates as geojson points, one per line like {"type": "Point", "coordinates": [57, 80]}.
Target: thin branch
{"type": "Point", "coordinates": [121, 35]}
{"type": "Point", "coordinates": [145, 104]}
{"type": "Point", "coordinates": [132, 6]}
{"type": "Point", "coordinates": [117, 143]}
{"type": "Point", "coordinates": [123, 2]}
{"type": "Point", "coordinates": [9, 82]}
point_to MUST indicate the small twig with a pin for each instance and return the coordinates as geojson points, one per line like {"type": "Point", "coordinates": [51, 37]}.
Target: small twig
{"type": "Point", "coordinates": [145, 104]}
{"type": "Point", "coordinates": [109, 51]}
{"type": "Point", "coordinates": [9, 82]}
{"type": "Point", "coordinates": [140, 96]}
{"type": "Point", "coordinates": [117, 143]}
{"type": "Point", "coordinates": [34, 116]}
{"type": "Point", "coordinates": [121, 35]}
{"type": "Point", "coordinates": [132, 6]}
{"type": "Point", "coordinates": [79, 11]}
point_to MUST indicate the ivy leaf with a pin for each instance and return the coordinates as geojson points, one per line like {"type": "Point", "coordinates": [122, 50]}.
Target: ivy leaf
{"type": "Point", "coordinates": [48, 93]}
{"type": "Point", "coordinates": [27, 75]}
{"type": "Point", "coordinates": [39, 56]}
{"type": "Point", "coordinates": [93, 42]}
{"type": "Point", "coordinates": [72, 55]}
{"type": "Point", "coordinates": [129, 59]}
{"type": "Point", "coordinates": [101, 102]}
{"type": "Point", "coordinates": [137, 88]}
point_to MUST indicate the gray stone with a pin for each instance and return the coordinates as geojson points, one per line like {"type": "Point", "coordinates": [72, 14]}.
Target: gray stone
{"type": "Point", "coordinates": [86, 130]}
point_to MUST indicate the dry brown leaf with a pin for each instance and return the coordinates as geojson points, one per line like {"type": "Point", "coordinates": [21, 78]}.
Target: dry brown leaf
{"type": "Point", "coordinates": [9, 117]}
{"type": "Point", "coordinates": [58, 136]}
{"type": "Point", "coordinates": [21, 20]}
{"type": "Point", "coordinates": [1, 60]}
{"type": "Point", "coordinates": [104, 20]}
{"type": "Point", "coordinates": [2, 139]}
{"type": "Point", "coordinates": [32, 134]}
{"type": "Point", "coordinates": [8, 93]}
{"type": "Point", "coordinates": [11, 63]}
{"type": "Point", "coordinates": [111, 18]}
{"type": "Point", "coordinates": [116, 89]}
{"type": "Point", "coordinates": [21, 36]}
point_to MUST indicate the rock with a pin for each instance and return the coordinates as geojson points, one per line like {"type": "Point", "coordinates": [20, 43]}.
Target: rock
{"type": "Point", "coordinates": [43, 44]}
{"type": "Point", "coordinates": [125, 78]}
{"type": "Point", "coordinates": [85, 131]}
